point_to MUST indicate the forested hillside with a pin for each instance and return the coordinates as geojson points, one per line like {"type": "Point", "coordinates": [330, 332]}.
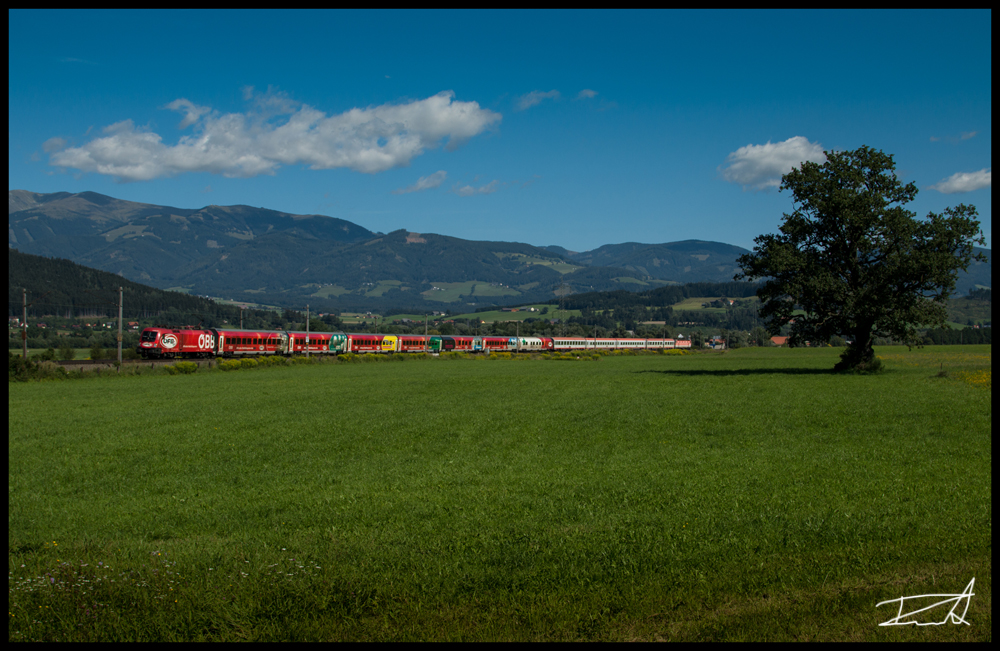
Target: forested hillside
{"type": "Point", "coordinates": [65, 289]}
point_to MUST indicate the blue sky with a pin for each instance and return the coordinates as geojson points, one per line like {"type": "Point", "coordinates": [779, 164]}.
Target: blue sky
{"type": "Point", "coordinates": [546, 127]}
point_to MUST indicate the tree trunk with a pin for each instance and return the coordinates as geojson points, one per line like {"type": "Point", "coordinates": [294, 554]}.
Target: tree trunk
{"type": "Point", "coordinates": [859, 354]}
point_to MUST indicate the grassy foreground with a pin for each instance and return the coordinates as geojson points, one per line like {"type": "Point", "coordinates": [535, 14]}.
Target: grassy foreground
{"type": "Point", "coordinates": [740, 496]}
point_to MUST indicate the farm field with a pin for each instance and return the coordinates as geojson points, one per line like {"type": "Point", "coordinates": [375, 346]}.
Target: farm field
{"type": "Point", "coordinates": [522, 314]}
{"type": "Point", "coordinates": [746, 495]}
{"type": "Point", "coordinates": [450, 292]}
{"type": "Point", "coordinates": [557, 265]}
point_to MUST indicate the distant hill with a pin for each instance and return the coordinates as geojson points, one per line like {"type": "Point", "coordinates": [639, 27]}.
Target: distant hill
{"type": "Point", "coordinates": [147, 242]}
{"type": "Point", "coordinates": [267, 256]}
{"type": "Point", "coordinates": [263, 255]}
{"type": "Point", "coordinates": [980, 274]}
{"type": "Point", "coordinates": [66, 289]}
{"type": "Point", "coordinates": [677, 262]}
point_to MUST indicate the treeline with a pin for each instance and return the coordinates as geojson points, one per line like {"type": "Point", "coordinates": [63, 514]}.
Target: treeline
{"type": "Point", "coordinates": [940, 336]}
{"type": "Point", "coordinates": [659, 297]}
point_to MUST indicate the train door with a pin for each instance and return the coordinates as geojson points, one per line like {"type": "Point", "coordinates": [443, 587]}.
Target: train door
{"type": "Point", "coordinates": [389, 344]}
{"type": "Point", "coordinates": [218, 342]}
{"type": "Point", "coordinates": [477, 344]}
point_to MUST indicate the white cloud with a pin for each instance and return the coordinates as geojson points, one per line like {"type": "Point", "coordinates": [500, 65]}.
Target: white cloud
{"type": "Point", "coordinates": [586, 93]}
{"type": "Point", "coordinates": [278, 131]}
{"type": "Point", "coordinates": [965, 181]}
{"type": "Point", "coordinates": [53, 144]}
{"type": "Point", "coordinates": [425, 183]}
{"type": "Point", "coordinates": [535, 97]}
{"type": "Point", "coordinates": [468, 190]}
{"type": "Point", "coordinates": [192, 112]}
{"type": "Point", "coordinates": [965, 135]}
{"type": "Point", "coordinates": [762, 166]}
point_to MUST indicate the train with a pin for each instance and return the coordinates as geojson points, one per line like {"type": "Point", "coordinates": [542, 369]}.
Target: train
{"type": "Point", "coordinates": [189, 342]}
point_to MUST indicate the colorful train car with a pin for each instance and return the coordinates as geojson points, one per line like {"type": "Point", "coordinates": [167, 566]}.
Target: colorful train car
{"type": "Point", "coordinates": [242, 343]}
{"type": "Point", "coordinates": [229, 342]}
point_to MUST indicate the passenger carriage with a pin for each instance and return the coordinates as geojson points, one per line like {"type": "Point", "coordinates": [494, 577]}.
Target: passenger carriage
{"type": "Point", "coordinates": [365, 343]}
{"type": "Point", "coordinates": [319, 343]}
{"type": "Point", "coordinates": [413, 343]}
{"type": "Point", "coordinates": [241, 343]}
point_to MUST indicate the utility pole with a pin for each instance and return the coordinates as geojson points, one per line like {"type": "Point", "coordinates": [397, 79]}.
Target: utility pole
{"type": "Point", "coordinates": [307, 331]}
{"type": "Point", "coordinates": [24, 324]}
{"type": "Point", "coordinates": [119, 329]}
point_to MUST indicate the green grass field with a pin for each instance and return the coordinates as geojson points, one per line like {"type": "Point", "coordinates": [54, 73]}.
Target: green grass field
{"type": "Point", "coordinates": [558, 265]}
{"type": "Point", "coordinates": [746, 495]}
{"type": "Point", "coordinates": [522, 314]}
{"type": "Point", "coordinates": [449, 292]}
{"type": "Point", "coordinates": [694, 303]}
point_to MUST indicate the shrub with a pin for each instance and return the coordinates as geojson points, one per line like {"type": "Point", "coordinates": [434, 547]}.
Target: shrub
{"type": "Point", "coordinates": [230, 364]}
{"type": "Point", "coordinates": [187, 368]}
{"type": "Point", "coordinates": [248, 362]}
{"type": "Point", "coordinates": [869, 368]}
{"type": "Point", "coordinates": [47, 355]}
{"type": "Point", "coordinates": [20, 369]}
{"type": "Point", "coordinates": [96, 352]}
{"type": "Point", "coordinates": [67, 352]}
{"type": "Point", "coordinates": [49, 370]}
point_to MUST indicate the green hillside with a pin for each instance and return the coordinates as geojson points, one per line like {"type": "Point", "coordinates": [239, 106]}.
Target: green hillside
{"type": "Point", "coordinates": [269, 257]}
{"type": "Point", "coordinates": [68, 290]}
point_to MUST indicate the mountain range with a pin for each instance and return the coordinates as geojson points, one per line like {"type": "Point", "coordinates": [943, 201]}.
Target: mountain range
{"type": "Point", "coordinates": [268, 256]}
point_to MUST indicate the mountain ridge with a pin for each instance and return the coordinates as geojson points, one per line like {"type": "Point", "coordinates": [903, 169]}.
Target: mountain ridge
{"type": "Point", "coordinates": [257, 253]}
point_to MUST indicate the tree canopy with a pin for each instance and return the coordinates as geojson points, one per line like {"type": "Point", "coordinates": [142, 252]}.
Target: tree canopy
{"type": "Point", "coordinates": [851, 260]}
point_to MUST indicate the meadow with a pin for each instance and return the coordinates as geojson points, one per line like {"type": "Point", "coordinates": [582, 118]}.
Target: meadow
{"type": "Point", "coordinates": [745, 495]}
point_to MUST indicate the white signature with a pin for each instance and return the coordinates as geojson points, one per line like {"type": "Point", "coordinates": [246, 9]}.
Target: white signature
{"type": "Point", "coordinates": [902, 619]}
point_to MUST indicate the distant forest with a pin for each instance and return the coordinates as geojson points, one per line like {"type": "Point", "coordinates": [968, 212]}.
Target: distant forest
{"type": "Point", "coordinates": [661, 296]}
{"type": "Point", "coordinates": [64, 289]}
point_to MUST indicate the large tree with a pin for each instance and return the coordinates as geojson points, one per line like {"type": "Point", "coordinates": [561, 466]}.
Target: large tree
{"type": "Point", "coordinates": [852, 261]}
